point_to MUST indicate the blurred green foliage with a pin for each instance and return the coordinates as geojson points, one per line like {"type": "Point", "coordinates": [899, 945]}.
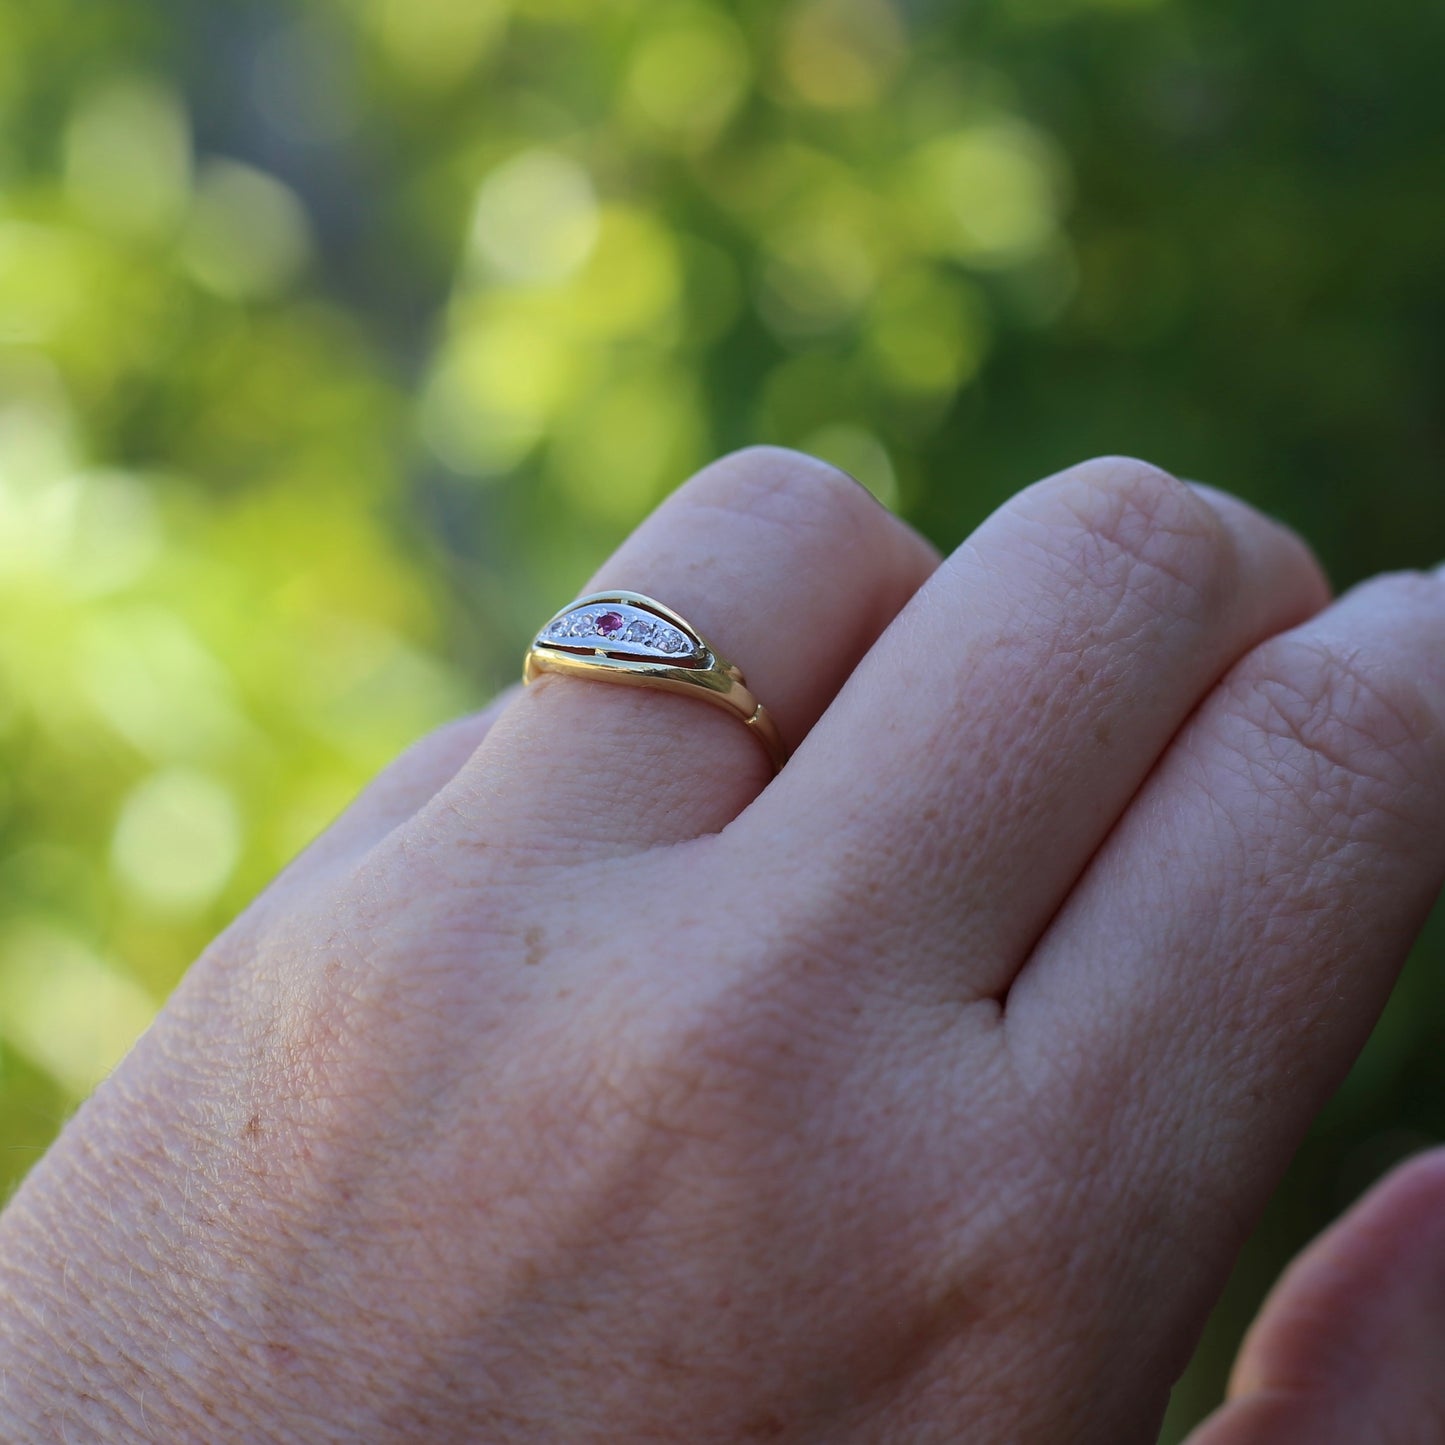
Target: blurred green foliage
{"type": "Point", "coordinates": [338, 342]}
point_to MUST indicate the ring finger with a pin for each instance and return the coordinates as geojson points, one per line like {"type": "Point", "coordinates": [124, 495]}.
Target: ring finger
{"type": "Point", "coordinates": [782, 563]}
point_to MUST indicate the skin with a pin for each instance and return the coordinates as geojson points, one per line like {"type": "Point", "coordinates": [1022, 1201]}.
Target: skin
{"type": "Point", "coordinates": [1347, 1349]}
{"type": "Point", "coordinates": [583, 1084]}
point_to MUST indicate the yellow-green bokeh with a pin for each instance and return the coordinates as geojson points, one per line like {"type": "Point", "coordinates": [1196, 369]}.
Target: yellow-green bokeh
{"type": "Point", "coordinates": [338, 343]}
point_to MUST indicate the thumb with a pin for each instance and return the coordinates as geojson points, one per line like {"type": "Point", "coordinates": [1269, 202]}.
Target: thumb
{"type": "Point", "coordinates": [1349, 1346]}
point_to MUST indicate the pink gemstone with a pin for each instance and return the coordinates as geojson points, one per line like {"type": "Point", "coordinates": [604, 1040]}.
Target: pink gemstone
{"type": "Point", "coordinates": [610, 623]}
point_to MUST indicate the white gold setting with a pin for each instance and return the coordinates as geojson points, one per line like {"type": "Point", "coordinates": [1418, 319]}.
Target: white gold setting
{"type": "Point", "coordinates": [620, 629]}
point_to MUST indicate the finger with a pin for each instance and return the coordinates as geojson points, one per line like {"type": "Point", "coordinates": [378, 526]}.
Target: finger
{"type": "Point", "coordinates": [791, 570]}
{"type": "Point", "coordinates": [398, 791]}
{"type": "Point", "coordinates": [979, 755]}
{"type": "Point", "coordinates": [1349, 1344]}
{"type": "Point", "coordinates": [1218, 968]}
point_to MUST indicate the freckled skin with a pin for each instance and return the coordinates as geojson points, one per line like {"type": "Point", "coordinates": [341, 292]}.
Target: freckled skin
{"type": "Point", "coordinates": [923, 1093]}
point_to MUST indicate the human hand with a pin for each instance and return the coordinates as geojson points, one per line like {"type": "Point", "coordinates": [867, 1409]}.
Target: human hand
{"type": "Point", "coordinates": [579, 1086]}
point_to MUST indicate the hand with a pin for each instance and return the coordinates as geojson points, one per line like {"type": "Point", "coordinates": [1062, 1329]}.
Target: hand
{"type": "Point", "coordinates": [577, 1086]}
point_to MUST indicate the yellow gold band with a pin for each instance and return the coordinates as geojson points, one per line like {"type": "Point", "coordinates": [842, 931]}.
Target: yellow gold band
{"type": "Point", "coordinates": [629, 638]}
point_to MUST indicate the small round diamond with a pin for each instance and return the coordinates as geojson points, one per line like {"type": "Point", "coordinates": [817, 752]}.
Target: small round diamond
{"type": "Point", "coordinates": [609, 624]}
{"type": "Point", "coordinates": [639, 630]}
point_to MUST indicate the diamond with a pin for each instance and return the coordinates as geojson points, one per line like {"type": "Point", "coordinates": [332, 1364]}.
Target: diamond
{"type": "Point", "coordinates": [621, 629]}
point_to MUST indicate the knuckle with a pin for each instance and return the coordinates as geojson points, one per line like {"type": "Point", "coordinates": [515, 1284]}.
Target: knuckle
{"type": "Point", "coordinates": [688, 1095]}
{"type": "Point", "coordinates": [716, 1067]}
{"type": "Point", "coordinates": [710, 1067]}
{"type": "Point", "coordinates": [1352, 734]}
{"type": "Point", "coordinates": [788, 489]}
{"type": "Point", "coordinates": [1135, 530]}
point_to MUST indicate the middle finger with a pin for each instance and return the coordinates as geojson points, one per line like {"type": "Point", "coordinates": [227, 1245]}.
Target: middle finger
{"type": "Point", "coordinates": [984, 748]}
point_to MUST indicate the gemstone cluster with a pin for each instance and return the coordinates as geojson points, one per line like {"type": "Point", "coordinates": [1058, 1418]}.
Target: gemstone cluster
{"type": "Point", "coordinates": [619, 628]}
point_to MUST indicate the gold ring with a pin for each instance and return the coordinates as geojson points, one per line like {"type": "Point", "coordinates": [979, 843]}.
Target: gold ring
{"type": "Point", "coordinates": [628, 638]}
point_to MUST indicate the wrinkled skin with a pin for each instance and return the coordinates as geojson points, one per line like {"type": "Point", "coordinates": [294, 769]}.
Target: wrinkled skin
{"type": "Point", "coordinates": [583, 1084]}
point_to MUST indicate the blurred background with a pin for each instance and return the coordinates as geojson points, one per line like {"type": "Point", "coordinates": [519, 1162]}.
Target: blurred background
{"type": "Point", "coordinates": [338, 342]}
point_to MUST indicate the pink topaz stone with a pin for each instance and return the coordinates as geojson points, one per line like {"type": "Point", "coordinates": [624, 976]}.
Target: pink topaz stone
{"type": "Point", "coordinates": [610, 623]}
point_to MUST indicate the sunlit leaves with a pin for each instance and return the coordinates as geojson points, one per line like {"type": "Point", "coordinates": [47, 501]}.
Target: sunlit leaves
{"type": "Point", "coordinates": [177, 840]}
{"type": "Point", "coordinates": [841, 54]}
{"type": "Point", "coordinates": [686, 77]}
{"type": "Point", "coordinates": [247, 236]}
{"type": "Point", "coordinates": [212, 634]}
{"type": "Point", "coordinates": [69, 1009]}
{"type": "Point", "coordinates": [128, 157]}
{"type": "Point", "coordinates": [990, 195]}
{"type": "Point", "coordinates": [435, 43]}
{"type": "Point", "coordinates": [535, 218]}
